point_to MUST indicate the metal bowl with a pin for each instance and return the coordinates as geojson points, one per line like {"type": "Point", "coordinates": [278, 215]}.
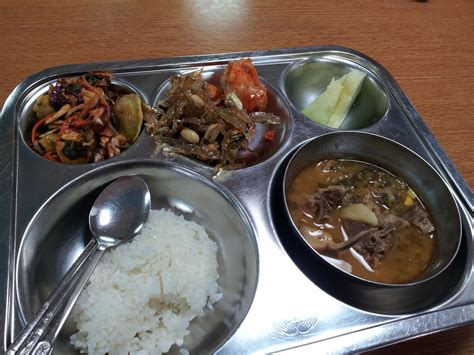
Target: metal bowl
{"type": "Point", "coordinates": [27, 117]}
{"type": "Point", "coordinates": [430, 188]}
{"type": "Point", "coordinates": [59, 232]}
{"type": "Point", "coordinates": [261, 148]}
{"type": "Point", "coordinates": [307, 79]}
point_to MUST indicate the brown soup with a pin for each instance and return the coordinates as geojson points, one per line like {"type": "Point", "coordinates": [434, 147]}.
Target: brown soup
{"type": "Point", "coordinates": [363, 220]}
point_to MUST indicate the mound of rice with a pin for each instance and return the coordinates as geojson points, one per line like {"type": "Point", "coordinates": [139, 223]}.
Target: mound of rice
{"type": "Point", "coordinates": [143, 294]}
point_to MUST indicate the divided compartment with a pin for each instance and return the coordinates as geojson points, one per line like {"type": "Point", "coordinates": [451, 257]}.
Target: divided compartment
{"type": "Point", "coordinates": [45, 255]}
{"type": "Point", "coordinates": [58, 233]}
{"type": "Point", "coordinates": [260, 149]}
{"type": "Point", "coordinates": [27, 117]}
{"type": "Point", "coordinates": [307, 79]}
{"type": "Point", "coordinates": [440, 279]}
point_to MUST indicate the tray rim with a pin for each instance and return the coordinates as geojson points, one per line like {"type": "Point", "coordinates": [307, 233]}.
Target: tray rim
{"type": "Point", "coordinates": [443, 163]}
{"type": "Point", "coordinates": [444, 166]}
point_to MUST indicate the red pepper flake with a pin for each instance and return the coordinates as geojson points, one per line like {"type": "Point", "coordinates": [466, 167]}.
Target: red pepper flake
{"type": "Point", "coordinates": [269, 135]}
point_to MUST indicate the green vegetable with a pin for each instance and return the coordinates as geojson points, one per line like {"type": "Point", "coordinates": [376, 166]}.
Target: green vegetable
{"type": "Point", "coordinates": [332, 106]}
{"type": "Point", "coordinates": [128, 111]}
{"type": "Point", "coordinates": [42, 107]}
{"type": "Point", "coordinates": [321, 109]}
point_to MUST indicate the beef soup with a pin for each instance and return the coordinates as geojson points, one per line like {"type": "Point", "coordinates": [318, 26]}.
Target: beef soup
{"type": "Point", "coordinates": [363, 219]}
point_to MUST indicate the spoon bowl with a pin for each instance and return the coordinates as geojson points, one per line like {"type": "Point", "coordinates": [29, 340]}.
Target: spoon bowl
{"type": "Point", "coordinates": [120, 211]}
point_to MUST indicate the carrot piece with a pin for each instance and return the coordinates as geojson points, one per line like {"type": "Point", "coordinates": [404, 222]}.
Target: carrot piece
{"type": "Point", "coordinates": [51, 156]}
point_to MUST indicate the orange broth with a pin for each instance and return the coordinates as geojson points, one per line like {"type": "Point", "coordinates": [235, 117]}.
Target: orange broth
{"type": "Point", "coordinates": [412, 250]}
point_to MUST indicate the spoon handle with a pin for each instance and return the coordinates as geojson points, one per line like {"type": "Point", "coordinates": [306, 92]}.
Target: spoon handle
{"type": "Point", "coordinates": [38, 336]}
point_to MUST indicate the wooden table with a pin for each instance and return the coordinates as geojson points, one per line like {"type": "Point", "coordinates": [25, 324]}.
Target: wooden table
{"type": "Point", "coordinates": [426, 45]}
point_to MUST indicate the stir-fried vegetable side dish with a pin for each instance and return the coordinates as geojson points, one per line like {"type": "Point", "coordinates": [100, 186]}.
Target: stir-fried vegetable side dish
{"type": "Point", "coordinates": [213, 123]}
{"type": "Point", "coordinates": [363, 219]}
{"type": "Point", "coordinates": [85, 119]}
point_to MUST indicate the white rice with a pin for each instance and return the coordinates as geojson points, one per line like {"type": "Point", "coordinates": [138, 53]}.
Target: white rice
{"type": "Point", "coordinates": [142, 295]}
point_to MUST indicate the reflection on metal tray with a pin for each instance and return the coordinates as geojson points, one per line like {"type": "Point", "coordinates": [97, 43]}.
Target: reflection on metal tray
{"type": "Point", "coordinates": [274, 297]}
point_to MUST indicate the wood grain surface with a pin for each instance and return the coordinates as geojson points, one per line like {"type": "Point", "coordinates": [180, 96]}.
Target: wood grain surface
{"type": "Point", "coordinates": [427, 46]}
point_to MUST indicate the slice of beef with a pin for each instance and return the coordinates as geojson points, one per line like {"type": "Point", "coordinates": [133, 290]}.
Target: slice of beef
{"type": "Point", "coordinates": [324, 200]}
{"type": "Point", "coordinates": [353, 228]}
{"type": "Point", "coordinates": [386, 219]}
{"type": "Point", "coordinates": [335, 249]}
{"type": "Point", "coordinates": [416, 216]}
{"type": "Point", "coordinates": [374, 246]}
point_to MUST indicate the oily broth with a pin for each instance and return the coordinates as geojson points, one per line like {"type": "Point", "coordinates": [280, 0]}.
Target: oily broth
{"type": "Point", "coordinates": [410, 254]}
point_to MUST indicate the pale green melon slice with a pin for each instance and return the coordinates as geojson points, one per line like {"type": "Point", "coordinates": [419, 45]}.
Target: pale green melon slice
{"type": "Point", "coordinates": [331, 107]}
{"type": "Point", "coordinates": [322, 108]}
{"type": "Point", "coordinates": [351, 89]}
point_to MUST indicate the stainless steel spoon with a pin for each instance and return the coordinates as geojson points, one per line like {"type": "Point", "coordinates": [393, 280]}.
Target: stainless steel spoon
{"type": "Point", "coordinates": [117, 215]}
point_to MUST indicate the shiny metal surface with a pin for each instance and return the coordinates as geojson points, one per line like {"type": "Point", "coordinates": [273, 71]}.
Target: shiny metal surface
{"type": "Point", "coordinates": [59, 232]}
{"type": "Point", "coordinates": [436, 279]}
{"type": "Point", "coordinates": [117, 215]}
{"type": "Point", "coordinates": [307, 79]}
{"type": "Point", "coordinates": [276, 299]}
{"type": "Point", "coordinates": [120, 211]}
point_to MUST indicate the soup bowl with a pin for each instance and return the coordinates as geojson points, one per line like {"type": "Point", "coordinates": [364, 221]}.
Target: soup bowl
{"type": "Point", "coordinates": [429, 187]}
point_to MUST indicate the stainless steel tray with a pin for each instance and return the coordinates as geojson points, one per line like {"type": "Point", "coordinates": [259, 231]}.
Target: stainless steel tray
{"type": "Point", "coordinates": [292, 310]}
